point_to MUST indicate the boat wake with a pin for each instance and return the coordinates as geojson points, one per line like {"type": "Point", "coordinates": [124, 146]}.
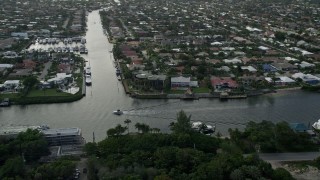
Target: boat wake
{"type": "Point", "coordinates": [140, 112]}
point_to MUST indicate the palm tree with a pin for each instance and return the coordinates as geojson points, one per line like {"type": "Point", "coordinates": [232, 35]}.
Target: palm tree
{"type": "Point", "coordinates": [127, 122]}
{"type": "Point", "coordinates": [144, 128]}
{"type": "Point", "coordinates": [155, 130]}
{"type": "Point", "coordinates": [138, 126]}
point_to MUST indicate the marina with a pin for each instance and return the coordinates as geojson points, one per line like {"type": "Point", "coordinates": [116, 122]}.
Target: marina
{"type": "Point", "coordinates": [57, 45]}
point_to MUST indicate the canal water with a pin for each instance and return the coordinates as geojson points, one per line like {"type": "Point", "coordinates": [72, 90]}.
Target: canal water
{"type": "Point", "coordinates": [93, 113]}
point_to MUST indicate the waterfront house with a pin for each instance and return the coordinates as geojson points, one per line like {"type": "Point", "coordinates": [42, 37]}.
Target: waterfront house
{"type": "Point", "coordinates": [180, 82]}
{"type": "Point", "coordinates": [61, 78]}
{"type": "Point", "coordinates": [280, 81]}
{"type": "Point", "coordinates": [11, 85]}
{"type": "Point", "coordinates": [221, 83]}
{"type": "Point", "coordinates": [307, 78]}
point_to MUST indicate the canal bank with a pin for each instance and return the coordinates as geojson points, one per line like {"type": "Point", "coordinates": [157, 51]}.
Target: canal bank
{"type": "Point", "coordinates": [93, 113]}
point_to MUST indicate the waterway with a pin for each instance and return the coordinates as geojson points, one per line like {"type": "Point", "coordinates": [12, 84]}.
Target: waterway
{"type": "Point", "coordinates": [93, 113]}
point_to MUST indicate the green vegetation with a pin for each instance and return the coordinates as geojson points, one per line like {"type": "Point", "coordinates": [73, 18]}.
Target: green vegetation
{"type": "Point", "coordinates": [28, 147]}
{"type": "Point", "coordinates": [19, 159]}
{"type": "Point", "coordinates": [201, 90]}
{"type": "Point", "coordinates": [32, 94]}
{"type": "Point", "coordinates": [46, 93]}
{"type": "Point", "coordinates": [183, 154]}
{"type": "Point", "coordinates": [270, 137]}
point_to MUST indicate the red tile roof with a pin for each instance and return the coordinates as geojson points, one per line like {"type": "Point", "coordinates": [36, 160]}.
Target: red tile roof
{"type": "Point", "coordinates": [222, 80]}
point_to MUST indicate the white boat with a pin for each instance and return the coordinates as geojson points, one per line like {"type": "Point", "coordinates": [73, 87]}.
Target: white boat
{"type": "Point", "coordinates": [203, 128]}
{"type": "Point", "coordinates": [83, 41]}
{"type": "Point", "coordinates": [76, 48]}
{"type": "Point", "coordinates": [118, 112]}
{"type": "Point", "coordinates": [88, 80]}
{"type": "Point", "coordinates": [316, 126]}
{"type": "Point", "coordinates": [88, 70]}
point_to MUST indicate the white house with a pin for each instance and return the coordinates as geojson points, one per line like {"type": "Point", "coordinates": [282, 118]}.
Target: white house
{"type": "Point", "coordinates": [263, 48]}
{"type": "Point", "coordinates": [60, 78]}
{"type": "Point", "coordinates": [6, 65]}
{"type": "Point", "coordinates": [10, 85]}
{"type": "Point", "coordinates": [180, 82]}
{"type": "Point", "coordinates": [10, 54]}
{"type": "Point", "coordinates": [232, 61]}
{"type": "Point", "coordinates": [20, 35]}
{"type": "Point", "coordinates": [307, 78]}
{"type": "Point", "coordinates": [282, 80]}
{"type": "Point", "coordinates": [249, 68]}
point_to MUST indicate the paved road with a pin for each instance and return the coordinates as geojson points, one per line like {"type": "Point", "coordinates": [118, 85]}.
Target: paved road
{"type": "Point", "coordinates": [82, 164]}
{"type": "Point", "coordinates": [303, 156]}
{"type": "Point", "coordinates": [65, 24]}
{"type": "Point", "coordinates": [47, 66]}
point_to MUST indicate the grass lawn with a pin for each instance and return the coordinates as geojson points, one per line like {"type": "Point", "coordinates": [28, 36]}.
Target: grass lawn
{"type": "Point", "coordinates": [176, 91]}
{"type": "Point", "coordinates": [201, 90]}
{"type": "Point", "coordinates": [46, 93]}
{"type": "Point", "coordinates": [10, 96]}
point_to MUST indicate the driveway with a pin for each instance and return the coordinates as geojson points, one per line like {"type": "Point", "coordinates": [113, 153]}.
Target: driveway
{"type": "Point", "coordinates": [47, 66]}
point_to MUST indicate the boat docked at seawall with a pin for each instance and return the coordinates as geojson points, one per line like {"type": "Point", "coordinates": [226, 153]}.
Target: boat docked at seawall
{"type": "Point", "coordinates": [316, 127]}
{"type": "Point", "coordinates": [88, 70]}
{"type": "Point", "coordinates": [88, 80]}
{"type": "Point", "coordinates": [203, 128]}
{"type": "Point", "coordinates": [5, 102]}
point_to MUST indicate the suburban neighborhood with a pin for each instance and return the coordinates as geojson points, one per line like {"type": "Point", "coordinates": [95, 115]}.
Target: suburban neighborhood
{"type": "Point", "coordinates": [161, 89]}
{"type": "Point", "coordinates": [29, 72]}
{"type": "Point", "coordinates": [213, 48]}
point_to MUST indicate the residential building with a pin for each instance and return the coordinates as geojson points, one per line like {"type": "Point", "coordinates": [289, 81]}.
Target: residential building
{"type": "Point", "coordinates": [220, 83]}
{"type": "Point", "coordinates": [180, 82]}
{"type": "Point", "coordinates": [63, 136]}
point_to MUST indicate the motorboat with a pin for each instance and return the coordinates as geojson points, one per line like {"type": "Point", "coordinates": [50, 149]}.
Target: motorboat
{"type": "Point", "coordinates": [83, 41]}
{"type": "Point", "coordinates": [203, 128]}
{"type": "Point", "coordinates": [5, 103]}
{"type": "Point", "coordinates": [118, 112]}
{"type": "Point", "coordinates": [316, 126]}
{"type": "Point", "coordinates": [88, 80]}
{"type": "Point", "coordinates": [76, 48]}
{"type": "Point", "coordinates": [118, 72]}
{"type": "Point", "coordinates": [88, 70]}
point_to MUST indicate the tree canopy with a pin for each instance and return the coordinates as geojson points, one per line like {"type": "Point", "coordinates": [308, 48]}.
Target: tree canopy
{"type": "Point", "coordinates": [183, 154]}
{"type": "Point", "coordinates": [270, 137]}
